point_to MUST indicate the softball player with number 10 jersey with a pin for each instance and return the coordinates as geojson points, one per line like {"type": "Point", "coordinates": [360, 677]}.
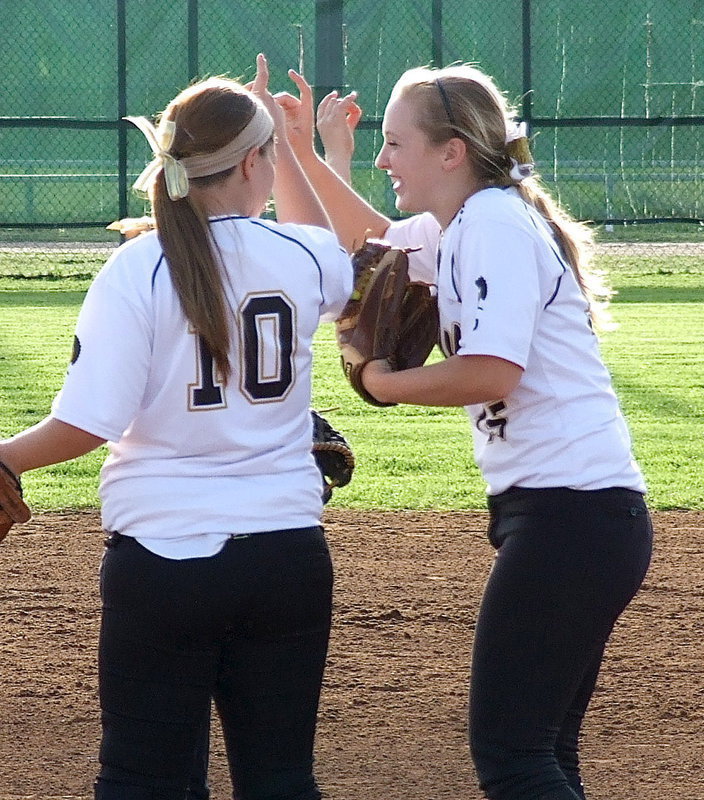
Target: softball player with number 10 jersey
{"type": "Point", "coordinates": [179, 433]}
{"type": "Point", "coordinates": [192, 359]}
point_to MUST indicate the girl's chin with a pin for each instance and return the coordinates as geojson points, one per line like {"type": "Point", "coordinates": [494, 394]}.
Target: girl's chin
{"type": "Point", "coordinates": [403, 204]}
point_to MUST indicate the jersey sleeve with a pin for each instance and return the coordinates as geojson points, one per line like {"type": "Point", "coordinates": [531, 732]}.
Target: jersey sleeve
{"type": "Point", "coordinates": [421, 231]}
{"type": "Point", "coordinates": [337, 283]}
{"type": "Point", "coordinates": [495, 278]}
{"type": "Point", "coordinates": [336, 274]}
{"type": "Point", "coordinates": [105, 381]}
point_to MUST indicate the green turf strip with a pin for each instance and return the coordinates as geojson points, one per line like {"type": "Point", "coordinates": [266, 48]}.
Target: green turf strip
{"type": "Point", "coordinates": [408, 457]}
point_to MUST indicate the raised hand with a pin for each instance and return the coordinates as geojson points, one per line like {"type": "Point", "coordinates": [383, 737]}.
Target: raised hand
{"type": "Point", "coordinates": [337, 118]}
{"type": "Point", "coordinates": [298, 113]}
{"type": "Point", "coordinates": [260, 87]}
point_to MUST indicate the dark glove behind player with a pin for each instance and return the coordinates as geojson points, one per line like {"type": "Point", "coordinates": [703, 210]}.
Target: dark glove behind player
{"type": "Point", "coordinates": [333, 455]}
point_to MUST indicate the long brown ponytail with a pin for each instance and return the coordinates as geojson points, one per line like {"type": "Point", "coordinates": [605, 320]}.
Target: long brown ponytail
{"type": "Point", "coordinates": [207, 116]}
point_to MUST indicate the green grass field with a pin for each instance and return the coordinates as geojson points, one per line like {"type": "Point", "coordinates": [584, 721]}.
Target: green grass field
{"type": "Point", "coordinates": [408, 457]}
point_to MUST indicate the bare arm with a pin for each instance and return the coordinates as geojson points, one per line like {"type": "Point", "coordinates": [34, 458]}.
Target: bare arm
{"type": "Point", "coordinates": [351, 216]}
{"type": "Point", "coordinates": [48, 442]}
{"type": "Point", "coordinates": [294, 197]}
{"type": "Point", "coordinates": [457, 381]}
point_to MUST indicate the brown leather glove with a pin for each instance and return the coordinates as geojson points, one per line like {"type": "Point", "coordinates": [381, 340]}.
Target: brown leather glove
{"type": "Point", "coordinates": [12, 507]}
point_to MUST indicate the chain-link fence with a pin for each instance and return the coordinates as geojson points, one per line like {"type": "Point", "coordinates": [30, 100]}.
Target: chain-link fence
{"type": "Point", "coordinates": [613, 92]}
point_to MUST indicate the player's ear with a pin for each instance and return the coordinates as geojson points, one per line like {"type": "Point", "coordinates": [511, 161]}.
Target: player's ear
{"type": "Point", "coordinates": [248, 162]}
{"type": "Point", "coordinates": [454, 153]}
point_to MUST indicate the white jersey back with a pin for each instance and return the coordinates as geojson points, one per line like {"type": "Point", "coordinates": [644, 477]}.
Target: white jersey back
{"type": "Point", "coordinates": [192, 460]}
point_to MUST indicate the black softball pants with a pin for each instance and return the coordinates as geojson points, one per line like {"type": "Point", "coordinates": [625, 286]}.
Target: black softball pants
{"type": "Point", "coordinates": [567, 564]}
{"type": "Point", "coordinates": [249, 628]}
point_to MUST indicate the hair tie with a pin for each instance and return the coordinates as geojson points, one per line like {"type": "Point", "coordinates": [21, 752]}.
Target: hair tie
{"type": "Point", "coordinates": [160, 140]}
{"type": "Point", "coordinates": [518, 150]}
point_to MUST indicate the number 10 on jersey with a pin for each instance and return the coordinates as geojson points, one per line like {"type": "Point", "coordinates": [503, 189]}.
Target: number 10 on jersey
{"type": "Point", "coordinates": [266, 324]}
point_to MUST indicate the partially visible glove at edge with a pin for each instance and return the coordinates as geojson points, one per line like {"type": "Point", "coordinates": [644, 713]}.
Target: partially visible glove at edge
{"type": "Point", "coordinates": [13, 509]}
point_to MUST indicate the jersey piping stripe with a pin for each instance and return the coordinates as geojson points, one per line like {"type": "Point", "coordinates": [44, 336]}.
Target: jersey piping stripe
{"type": "Point", "coordinates": [453, 276]}
{"type": "Point", "coordinates": [156, 269]}
{"type": "Point", "coordinates": [555, 252]}
{"type": "Point", "coordinates": [283, 236]}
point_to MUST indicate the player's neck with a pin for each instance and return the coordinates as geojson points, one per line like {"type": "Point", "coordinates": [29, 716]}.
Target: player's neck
{"type": "Point", "coordinates": [232, 197]}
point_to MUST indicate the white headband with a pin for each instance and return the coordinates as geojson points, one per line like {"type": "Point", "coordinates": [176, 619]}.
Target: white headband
{"type": "Point", "coordinates": [177, 171]}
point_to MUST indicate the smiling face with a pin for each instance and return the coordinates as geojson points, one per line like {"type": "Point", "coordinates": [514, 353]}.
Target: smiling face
{"type": "Point", "coordinates": [413, 164]}
{"type": "Point", "coordinates": [444, 139]}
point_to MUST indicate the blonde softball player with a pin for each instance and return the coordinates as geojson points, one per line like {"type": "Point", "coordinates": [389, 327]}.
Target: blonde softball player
{"type": "Point", "coordinates": [572, 533]}
{"type": "Point", "coordinates": [192, 359]}
{"type": "Point", "coordinates": [567, 516]}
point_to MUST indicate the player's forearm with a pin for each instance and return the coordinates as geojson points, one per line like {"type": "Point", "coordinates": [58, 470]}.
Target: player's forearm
{"type": "Point", "coordinates": [341, 166]}
{"type": "Point", "coordinates": [457, 381]}
{"type": "Point", "coordinates": [48, 442]}
{"type": "Point", "coordinates": [294, 196]}
{"type": "Point", "coordinates": [351, 216]}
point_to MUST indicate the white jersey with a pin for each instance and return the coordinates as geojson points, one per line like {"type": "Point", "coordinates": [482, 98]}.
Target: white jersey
{"type": "Point", "coordinates": [504, 290]}
{"type": "Point", "coordinates": [422, 233]}
{"type": "Point", "coordinates": [191, 460]}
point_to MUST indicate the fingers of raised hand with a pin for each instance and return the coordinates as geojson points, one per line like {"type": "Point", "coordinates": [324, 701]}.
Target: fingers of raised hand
{"type": "Point", "coordinates": [287, 101]}
{"type": "Point", "coordinates": [260, 83]}
{"type": "Point", "coordinates": [354, 113]}
{"type": "Point", "coordinates": [304, 88]}
{"type": "Point", "coordinates": [327, 104]}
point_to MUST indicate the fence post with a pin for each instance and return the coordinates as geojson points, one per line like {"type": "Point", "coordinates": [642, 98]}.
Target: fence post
{"type": "Point", "coordinates": [527, 100]}
{"type": "Point", "coordinates": [329, 50]}
{"type": "Point", "coordinates": [193, 56]}
{"type": "Point", "coordinates": [436, 34]}
{"type": "Point", "coordinates": [121, 108]}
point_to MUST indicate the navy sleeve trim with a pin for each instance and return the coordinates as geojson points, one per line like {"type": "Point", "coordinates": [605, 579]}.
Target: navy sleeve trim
{"type": "Point", "coordinates": [156, 269]}
{"type": "Point", "coordinates": [301, 245]}
{"type": "Point", "coordinates": [554, 294]}
{"type": "Point", "coordinates": [453, 276]}
{"type": "Point", "coordinates": [556, 252]}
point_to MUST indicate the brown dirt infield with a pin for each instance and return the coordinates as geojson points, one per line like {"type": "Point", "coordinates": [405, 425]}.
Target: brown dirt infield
{"type": "Point", "coordinates": [392, 720]}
